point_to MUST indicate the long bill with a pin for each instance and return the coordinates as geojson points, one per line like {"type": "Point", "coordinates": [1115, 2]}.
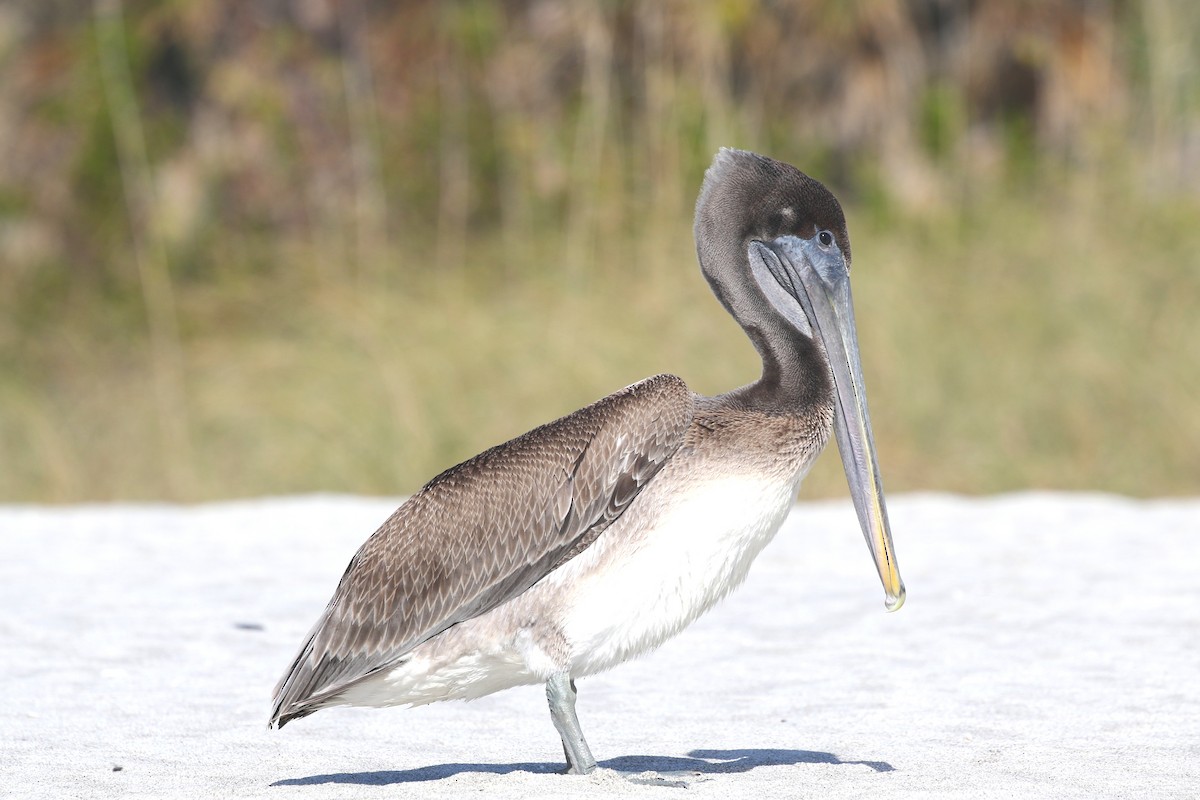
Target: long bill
{"type": "Point", "coordinates": [825, 291]}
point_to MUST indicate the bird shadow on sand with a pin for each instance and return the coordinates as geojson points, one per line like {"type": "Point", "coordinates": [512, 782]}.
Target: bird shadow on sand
{"type": "Point", "coordinates": [697, 762]}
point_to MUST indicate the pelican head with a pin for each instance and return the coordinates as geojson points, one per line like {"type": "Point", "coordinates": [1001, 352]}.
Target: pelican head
{"type": "Point", "coordinates": [773, 244]}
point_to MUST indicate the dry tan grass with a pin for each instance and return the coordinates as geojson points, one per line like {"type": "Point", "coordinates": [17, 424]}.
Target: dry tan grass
{"type": "Point", "coordinates": [1025, 342]}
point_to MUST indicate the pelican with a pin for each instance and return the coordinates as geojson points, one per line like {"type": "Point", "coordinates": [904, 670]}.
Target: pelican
{"type": "Point", "coordinates": [596, 537]}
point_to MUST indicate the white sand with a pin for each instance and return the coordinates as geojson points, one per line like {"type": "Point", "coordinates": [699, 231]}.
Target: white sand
{"type": "Point", "coordinates": [1050, 647]}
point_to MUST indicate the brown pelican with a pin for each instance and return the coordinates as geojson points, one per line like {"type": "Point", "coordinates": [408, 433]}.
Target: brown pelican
{"type": "Point", "coordinates": [596, 537]}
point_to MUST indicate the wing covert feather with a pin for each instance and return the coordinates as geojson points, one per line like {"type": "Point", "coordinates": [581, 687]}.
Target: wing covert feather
{"type": "Point", "coordinates": [484, 531]}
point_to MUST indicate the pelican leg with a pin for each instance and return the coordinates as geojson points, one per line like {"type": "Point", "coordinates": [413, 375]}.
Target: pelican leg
{"type": "Point", "coordinates": [560, 691]}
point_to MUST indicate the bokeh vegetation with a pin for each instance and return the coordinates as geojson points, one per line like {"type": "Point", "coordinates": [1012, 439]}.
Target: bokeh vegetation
{"type": "Point", "coordinates": [255, 248]}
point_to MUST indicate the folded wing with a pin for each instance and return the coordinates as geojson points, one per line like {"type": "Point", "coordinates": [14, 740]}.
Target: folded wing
{"type": "Point", "coordinates": [482, 533]}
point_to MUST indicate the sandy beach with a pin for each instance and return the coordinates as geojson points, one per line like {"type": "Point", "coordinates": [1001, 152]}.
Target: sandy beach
{"type": "Point", "coordinates": [1050, 647]}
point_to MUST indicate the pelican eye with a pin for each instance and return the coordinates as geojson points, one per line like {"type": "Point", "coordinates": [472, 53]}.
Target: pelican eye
{"type": "Point", "coordinates": [825, 238]}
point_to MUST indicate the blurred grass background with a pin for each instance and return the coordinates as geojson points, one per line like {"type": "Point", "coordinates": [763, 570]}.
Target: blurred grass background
{"type": "Point", "coordinates": [253, 248]}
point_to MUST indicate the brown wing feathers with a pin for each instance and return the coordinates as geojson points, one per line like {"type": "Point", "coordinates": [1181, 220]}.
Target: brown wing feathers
{"type": "Point", "coordinates": [484, 531]}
